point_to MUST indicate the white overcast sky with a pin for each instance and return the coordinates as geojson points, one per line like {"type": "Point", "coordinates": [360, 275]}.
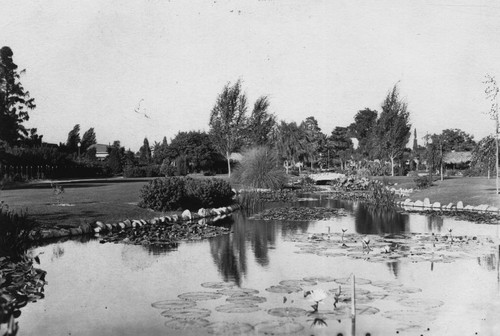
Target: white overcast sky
{"type": "Point", "coordinates": [91, 62]}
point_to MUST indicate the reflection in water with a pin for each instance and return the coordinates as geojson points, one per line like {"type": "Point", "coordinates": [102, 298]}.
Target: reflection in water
{"type": "Point", "coordinates": [434, 223]}
{"type": "Point", "coordinates": [229, 253]}
{"type": "Point", "coordinates": [393, 267]}
{"type": "Point", "coordinates": [156, 249]}
{"type": "Point", "coordinates": [488, 261]}
{"type": "Point", "coordinates": [370, 219]}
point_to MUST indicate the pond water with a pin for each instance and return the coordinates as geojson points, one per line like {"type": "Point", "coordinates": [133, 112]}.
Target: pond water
{"type": "Point", "coordinates": [252, 281]}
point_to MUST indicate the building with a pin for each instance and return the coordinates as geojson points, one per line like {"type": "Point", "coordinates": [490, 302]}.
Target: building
{"type": "Point", "coordinates": [101, 151]}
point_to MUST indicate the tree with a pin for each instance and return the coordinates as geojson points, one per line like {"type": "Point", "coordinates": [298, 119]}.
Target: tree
{"type": "Point", "coordinates": [145, 152]}
{"type": "Point", "coordinates": [227, 120]}
{"type": "Point", "coordinates": [287, 140]}
{"type": "Point", "coordinates": [160, 151]}
{"type": "Point", "coordinates": [116, 157]}
{"type": "Point", "coordinates": [15, 102]}
{"type": "Point", "coordinates": [73, 139]}
{"type": "Point", "coordinates": [362, 129]}
{"type": "Point", "coordinates": [393, 127]}
{"type": "Point", "coordinates": [340, 144]}
{"type": "Point", "coordinates": [312, 140]}
{"type": "Point", "coordinates": [88, 139]}
{"type": "Point", "coordinates": [492, 94]}
{"type": "Point", "coordinates": [197, 150]}
{"type": "Point", "coordinates": [457, 140]}
{"type": "Point", "coordinates": [260, 125]}
{"type": "Point", "coordinates": [483, 155]}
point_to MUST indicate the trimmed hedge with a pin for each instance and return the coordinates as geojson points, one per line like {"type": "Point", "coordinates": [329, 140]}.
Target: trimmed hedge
{"type": "Point", "coordinates": [173, 193]}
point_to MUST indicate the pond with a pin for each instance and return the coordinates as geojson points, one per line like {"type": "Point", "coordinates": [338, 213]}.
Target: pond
{"type": "Point", "coordinates": [252, 281]}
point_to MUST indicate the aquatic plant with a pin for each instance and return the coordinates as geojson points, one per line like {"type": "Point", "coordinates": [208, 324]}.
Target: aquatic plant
{"type": "Point", "coordinates": [15, 229]}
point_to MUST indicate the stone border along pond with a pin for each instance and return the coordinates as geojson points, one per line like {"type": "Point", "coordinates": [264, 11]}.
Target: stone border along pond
{"type": "Point", "coordinates": [188, 225]}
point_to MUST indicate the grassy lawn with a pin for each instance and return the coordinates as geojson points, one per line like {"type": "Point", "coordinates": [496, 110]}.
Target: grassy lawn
{"type": "Point", "coordinates": [107, 201]}
{"type": "Point", "coordinates": [113, 200]}
{"type": "Point", "coordinates": [469, 190]}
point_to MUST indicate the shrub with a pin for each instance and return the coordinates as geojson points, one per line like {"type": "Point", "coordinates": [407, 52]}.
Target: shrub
{"type": "Point", "coordinates": [163, 194]}
{"type": "Point", "coordinates": [172, 193]}
{"type": "Point", "coordinates": [363, 172]}
{"type": "Point", "coordinates": [142, 171]}
{"type": "Point", "coordinates": [351, 183]}
{"type": "Point", "coordinates": [381, 195]}
{"type": "Point", "coordinates": [423, 182]}
{"type": "Point", "coordinates": [181, 166]}
{"type": "Point", "coordinates": [259, 169]}
{"type": "Point", "coordinates": [15, 231]}
{"type": "Point", "coordinates": [207, 193]}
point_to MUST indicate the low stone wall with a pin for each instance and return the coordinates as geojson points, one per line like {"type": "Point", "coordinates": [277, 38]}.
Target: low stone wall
{"type": "Point", "coordinates": [426, 205]}
{"type": "Point", "coordinates": [99, 227]}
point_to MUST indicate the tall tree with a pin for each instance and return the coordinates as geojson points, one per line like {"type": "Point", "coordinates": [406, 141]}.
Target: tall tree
{"type": "Point", "coordinates": [362, 129]}
{"type": "Point", "coordinates": [312, 140]}
{"type": "Point", "coordinates": [73, 139]}
{"type": "Point", "coordinates": [116, 157]}
{"type": "Point", "coordinates": [484, 154]}
{"type": "Point", "coordinates": [88, 139]}
{"type": "Point", "coordinates": [145, 152]}
{"type": "Point", "coordinates": [492, 95]}
{"type": "Point", "coordinates": [340, 145]}
{"type": "Point", "coordinates": [393, 127]}
{"type": "Point", "coordinates": [261, 123]}
{"type": "Point", "coordinates": [15, 102]}
{"type": "Point", "coordinates": [457, 140]}
{"type": "Point", "coordinates": [287, 140]}
{"type": "Point", "coordinates": [227, 120]}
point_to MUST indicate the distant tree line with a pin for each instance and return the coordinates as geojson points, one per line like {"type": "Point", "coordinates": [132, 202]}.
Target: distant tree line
{"type": "Point", "coordinates": [376, 141]}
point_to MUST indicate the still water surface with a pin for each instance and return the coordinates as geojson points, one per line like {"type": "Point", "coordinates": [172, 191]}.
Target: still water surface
{"type": "Point", "coordinates": [109, 289]}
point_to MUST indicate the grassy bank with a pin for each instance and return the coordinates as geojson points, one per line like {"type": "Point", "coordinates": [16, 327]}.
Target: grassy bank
{"type": "Point", "coordinates": [81, 202]}
{"type": "Point", "coordinates": [470, 190]}
{"type": "Point", "coordinates": [113, 200]}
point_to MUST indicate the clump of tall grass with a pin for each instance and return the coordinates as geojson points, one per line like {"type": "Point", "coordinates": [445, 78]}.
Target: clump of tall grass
{"type": "Point", "coordinates": [259, 168]}
{"type": "Point", "coordinates": [381, 195]}
{"type": "Point", "coordinates": [15, 229]}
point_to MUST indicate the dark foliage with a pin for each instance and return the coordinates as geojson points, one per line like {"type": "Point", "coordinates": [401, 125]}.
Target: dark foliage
{"type": "Point", "coordinates": [15, 231]}
{"type": "Point", "coordinates": [422, 182]}
{"type": "Point", "coordinates": [173, 193]}
{"type": "Point", "coordinates": [142, 171]}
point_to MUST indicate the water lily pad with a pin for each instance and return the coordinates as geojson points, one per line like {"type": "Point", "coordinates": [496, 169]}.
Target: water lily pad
{"type": "Point", "coordinates": [421, 303]}
{"type": "Point", "coordinates": [246, 299]}
{"type": "Point", "coordinates": [187, 323]}
{"type": "Point", "coordinates": [278, 327]}
{"type": "Point", "coordinates": [229, 328]}
{"type": "Point", "coordinates": [188, 313]}
{"type": "Point", "coordinates": [237, 291]}
{"type": "Point", "coordinates": [411, 317]}
{"type": "Point", "coordinates": [347, 281]}
{"type": "Point", "coordinates": [200, 296]}
{"type": "Point", "coordinates": [237, 308]}
{"type": "Point", "coordinates": [298, 283]}
{"type": "Point", "coordinates": [320, 278]}
{"type": "Point", "coordinates": [287, 312]}
{"type": "Point", "coordinates": [330, 254]}
{"type": "Point", "coordinates": [217, 285]}
{"type": "Point", "coordinates": [404, 290]}
{"type": "Point", "coordinates": [173, 304]}
{"type": "Point", "coordinates": [366, 310]}
{"type": "Point", "coordinates": [384, 284]}
{"type": "Point", "coordinates": [284, 289]}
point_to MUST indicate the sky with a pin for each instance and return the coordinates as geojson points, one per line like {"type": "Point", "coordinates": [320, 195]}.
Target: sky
{"type": "Point", "coordinates": [94, 62]}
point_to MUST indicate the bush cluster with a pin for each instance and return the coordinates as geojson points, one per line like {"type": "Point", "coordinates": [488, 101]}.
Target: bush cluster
{"type": "Point", "coordinates": [173, 193]}
{"type": "Point", "coordinates": [351, 183]}
{"type": "Point", "coordinates": [422, 182]}
{"type": "Point", "coordinates": [15, 229]}
{"type": "Point", "coordinates": [381, 195]}
{"type": "Point", "coordinates": [142, 171]}
{"type": "Point", "coordinates": [259, 169]}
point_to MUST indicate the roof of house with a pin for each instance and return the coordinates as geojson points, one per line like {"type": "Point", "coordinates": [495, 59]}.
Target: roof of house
{"type": "Point", "coordinates": [457, 157]}
{"type": "Point", "coordinates": [100, 148]}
